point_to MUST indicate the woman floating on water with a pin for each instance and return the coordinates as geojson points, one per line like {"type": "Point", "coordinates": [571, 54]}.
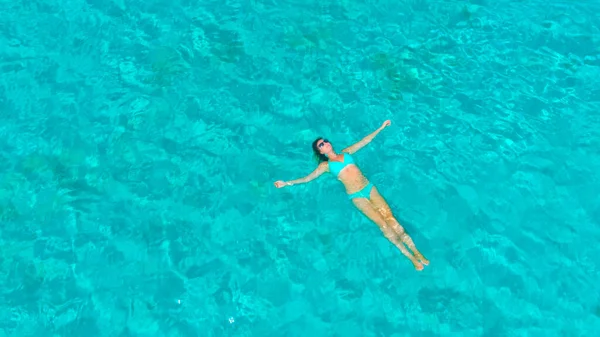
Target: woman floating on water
{"type": "Point", "coordinates": [363, 194]}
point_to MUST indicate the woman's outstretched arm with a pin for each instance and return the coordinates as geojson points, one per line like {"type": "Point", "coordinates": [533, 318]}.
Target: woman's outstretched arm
{"type": "Point", "coordinates": [360, 144]}
{"type": "Point", "coordinates": [322, 168]}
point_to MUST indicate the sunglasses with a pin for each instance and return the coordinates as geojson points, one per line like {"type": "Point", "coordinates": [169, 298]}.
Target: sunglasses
{"type": "Point", "coordinates": [320, 145]}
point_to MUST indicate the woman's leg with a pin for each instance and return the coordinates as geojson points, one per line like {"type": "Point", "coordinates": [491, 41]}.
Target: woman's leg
{"type": "Point", "coordinates": [383, 208]}
{"type": "Point", "coordinates": [365, 206]}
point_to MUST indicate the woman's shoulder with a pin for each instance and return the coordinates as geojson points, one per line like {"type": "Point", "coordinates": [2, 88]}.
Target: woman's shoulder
{"type": "Point", "coordinates": [323, 165]}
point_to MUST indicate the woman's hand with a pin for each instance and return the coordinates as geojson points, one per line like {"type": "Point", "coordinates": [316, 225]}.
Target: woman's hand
{"type": "Point", "coordinates": [280, 183]}
{"type": "Point", "coordinates": [386, 123]}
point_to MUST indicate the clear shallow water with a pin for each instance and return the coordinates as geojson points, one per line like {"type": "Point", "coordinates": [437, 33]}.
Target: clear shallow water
{"type": "Point", "coordinates": [139, 143]}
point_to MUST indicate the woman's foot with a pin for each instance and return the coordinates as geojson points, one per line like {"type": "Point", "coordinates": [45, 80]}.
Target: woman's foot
{"type": "Point", "coordinates": [418, 265]}
{"type": "Point", "coordinates": [422, 259]}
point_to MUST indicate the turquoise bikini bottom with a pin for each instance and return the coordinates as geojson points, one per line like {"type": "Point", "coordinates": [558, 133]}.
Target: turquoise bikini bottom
{"type": "Point", "coordinates": [364, 193]}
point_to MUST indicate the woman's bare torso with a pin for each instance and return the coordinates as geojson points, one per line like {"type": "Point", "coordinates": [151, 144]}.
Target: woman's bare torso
{"type": "Point", "coordinates": [352, 178]}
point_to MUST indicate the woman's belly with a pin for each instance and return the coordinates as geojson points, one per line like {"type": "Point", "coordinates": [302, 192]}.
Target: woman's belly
{"type": "Point", "coordinates": [353, 179]}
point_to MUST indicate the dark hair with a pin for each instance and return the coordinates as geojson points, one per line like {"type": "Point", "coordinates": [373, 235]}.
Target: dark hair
{"type": "Point", "coordinates": [318, 155]}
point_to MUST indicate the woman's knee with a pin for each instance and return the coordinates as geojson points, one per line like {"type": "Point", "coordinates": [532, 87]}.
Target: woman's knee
{"type": "Point", "coordinates": [396, 224]}
{"type": "Point", "coordinates": [386, 213]}
{"type": "Point", "coordinates": [389, 233]}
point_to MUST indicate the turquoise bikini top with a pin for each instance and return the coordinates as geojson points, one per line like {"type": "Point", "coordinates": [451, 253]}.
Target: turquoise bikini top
{"type": "Point", "coordinates": [335, 166]}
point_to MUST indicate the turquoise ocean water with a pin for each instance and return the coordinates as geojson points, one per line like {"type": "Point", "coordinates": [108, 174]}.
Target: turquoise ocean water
{"type": "Point", "coordinates": [139, 143]}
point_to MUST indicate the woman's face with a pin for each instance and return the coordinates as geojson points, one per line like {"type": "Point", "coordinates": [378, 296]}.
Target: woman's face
{"type": "Point", "coordinates": [324, 146]}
